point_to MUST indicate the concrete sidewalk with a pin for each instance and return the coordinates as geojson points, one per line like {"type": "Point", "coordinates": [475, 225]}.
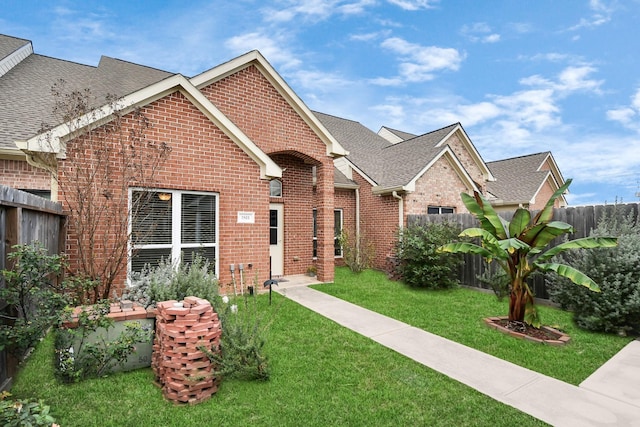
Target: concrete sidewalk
{"type": "Point", "coordinates": [610, 397]}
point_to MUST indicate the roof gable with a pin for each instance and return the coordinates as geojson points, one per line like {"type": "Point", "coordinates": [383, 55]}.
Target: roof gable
{"type": "Point", "coordinates": [334, 148]}
{"type": "Point", "coordinates": [61, 133]}
{"type": "Point", "coordinates": [448, 154]}
{"type": "Point", "coordinates": [397, 166]}
{"type": "Point", "coordinates": [520, 179]}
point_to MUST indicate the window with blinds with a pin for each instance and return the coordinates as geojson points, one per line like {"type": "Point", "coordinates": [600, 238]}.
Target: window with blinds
{"type": "Point", "coordinates": [173, 225]}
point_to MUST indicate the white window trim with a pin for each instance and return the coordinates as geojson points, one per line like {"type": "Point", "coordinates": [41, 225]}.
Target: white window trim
{"type": "Point", "coordinates": [176, 245]}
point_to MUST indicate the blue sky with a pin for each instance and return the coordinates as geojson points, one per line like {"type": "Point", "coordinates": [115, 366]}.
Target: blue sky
{"type": "Point", "coordinates": [521, 76]}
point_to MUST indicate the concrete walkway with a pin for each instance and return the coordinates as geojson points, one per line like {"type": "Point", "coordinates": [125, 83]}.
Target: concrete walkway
{"type": "Point", "coordinates": [610, 397]}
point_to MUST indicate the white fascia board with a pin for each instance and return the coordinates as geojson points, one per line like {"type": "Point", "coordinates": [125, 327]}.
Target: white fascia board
{"type": "Point", "coordinates": [334, 148]}
{"type": "Point", "coordinates": [177, 82]}
{"type": "Point", "coordinates": [458, 167]}
{"type": "Point", "coordinates": [550, 177]}
{"type": "Point", "coordinates": [472, 149]}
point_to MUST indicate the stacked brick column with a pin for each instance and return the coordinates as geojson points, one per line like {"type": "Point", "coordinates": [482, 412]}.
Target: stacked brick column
{"type": "Point", "coordinates": [184, 372]}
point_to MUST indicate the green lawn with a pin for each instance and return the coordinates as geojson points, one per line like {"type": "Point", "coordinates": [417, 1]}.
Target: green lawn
{"type": "Point", "coordinates": [458, 315]}
{"type": "Point", "coordinates": [323, 374]}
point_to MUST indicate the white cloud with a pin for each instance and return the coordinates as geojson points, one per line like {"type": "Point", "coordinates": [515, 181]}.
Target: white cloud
{"type": "Point", "coordinates": [413, 5]}
{"type": "Point", "coordinates": [628, 116]}
{"type": "Point", "coordinates": [315, 10]}
{"type": "Point", "coordinates": [479, 32]}
{"type": "Point", "coordinates": [417, 63]}
{"type": "Point", "coordinates": [570, 79]}
{"type": "Point", "coordinates": [271, 48]}
{"type": "Point", "coordinates": [601, 15]}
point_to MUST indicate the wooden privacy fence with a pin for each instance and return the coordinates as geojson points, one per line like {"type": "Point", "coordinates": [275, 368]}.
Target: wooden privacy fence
{"type": "Point", "coordinates": [24, 219]}
{"type": "Point", "coordinates": [583, 219]}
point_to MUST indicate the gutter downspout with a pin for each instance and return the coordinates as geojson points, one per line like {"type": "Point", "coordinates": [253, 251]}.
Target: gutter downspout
{"type": "Point", "coordinates": [400, 209]}
{"type": "Point", "coordinates": [358, 223]}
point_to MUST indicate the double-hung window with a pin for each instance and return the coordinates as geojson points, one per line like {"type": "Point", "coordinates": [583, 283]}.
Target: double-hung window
{"type": "Point", "coordinates": [173, 225]}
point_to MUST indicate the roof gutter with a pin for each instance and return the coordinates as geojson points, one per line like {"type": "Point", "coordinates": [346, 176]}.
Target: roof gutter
{"type": "Point", "coordinates": [346, 186]}
{"type": "Point", "coordinates": [379, 191]}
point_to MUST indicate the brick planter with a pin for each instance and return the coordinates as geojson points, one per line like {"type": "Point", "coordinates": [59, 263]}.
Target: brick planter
{"type": "Point", "coordinates": [184, 372]}
{"type": "Point", "coordinates": [121, 313]}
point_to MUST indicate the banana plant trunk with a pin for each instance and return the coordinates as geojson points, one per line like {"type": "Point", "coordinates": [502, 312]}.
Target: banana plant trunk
{"type": "Point", "coordinates": [518, 298]}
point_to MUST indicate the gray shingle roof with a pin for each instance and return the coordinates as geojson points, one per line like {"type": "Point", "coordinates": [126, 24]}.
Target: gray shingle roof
{"type": "Point", "coordinates": [518, 179]}
{"type": "Point", "coordinates": [25, 91]}
{"type": "Point", "coordinates": [9, 44]}
{"type": "Point", "coordinates": [341, 179]}
{"type": "Point", "coordinates": [389, 165]}
{"type": "Point", "coordinates": [405, 160]}
{"type": "Point", "coordinates": [364, 146]}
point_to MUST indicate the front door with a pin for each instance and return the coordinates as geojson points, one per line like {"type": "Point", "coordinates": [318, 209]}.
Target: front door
{"type": "Point", "coordinates": [276, 238]}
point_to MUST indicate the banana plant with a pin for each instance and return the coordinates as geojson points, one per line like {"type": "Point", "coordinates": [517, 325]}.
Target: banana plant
{"type": "Point", "coordinates": [521, 247]}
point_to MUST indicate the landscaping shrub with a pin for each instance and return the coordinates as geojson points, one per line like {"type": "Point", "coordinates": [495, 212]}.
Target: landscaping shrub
{"type": "Point", "coordinates": [87, 351]}
{"type": "Point", "coordinates": [241, 345]}
{"type": "Point", "coordinates": [241, 353]}
{"type": "Point", "coordinates": [165, 282]}
{"type": "Point", "coordinates": [616, 270]}
{"type": "Point", "coordinates": [421, 265]}
{"type": "Point", "coordinates": [33, 298]}
{"type": "Point", "coordinates": [25, 412]}
{"type": "Point", "coordinates": [357, 252]}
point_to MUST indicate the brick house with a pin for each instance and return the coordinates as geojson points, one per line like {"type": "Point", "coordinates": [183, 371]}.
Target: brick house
{"type": "Point", "coordinates": [254, 177]}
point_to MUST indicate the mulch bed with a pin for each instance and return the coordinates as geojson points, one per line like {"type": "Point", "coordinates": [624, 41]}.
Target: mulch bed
{"type": "Point", "coordinates": [544, 335]}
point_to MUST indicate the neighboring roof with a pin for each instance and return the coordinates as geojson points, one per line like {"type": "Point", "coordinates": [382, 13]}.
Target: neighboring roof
{"type": "Point", "coordinates": [255, 58]}
{"type": "Point", "coordinates": [364, 146]}
{"type": "Point", "coordinates": [26, 102]}
{"type": "Point", "coordinates": [519, 179]}
{"type": "Point", "coordinates": [411, 156]}
{"type": "Point", "coordinates": [396, 166]}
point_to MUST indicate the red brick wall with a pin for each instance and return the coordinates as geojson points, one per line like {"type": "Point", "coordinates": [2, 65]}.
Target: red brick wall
{"type": "Point", "coordinates": [379, 221]}
{"type": "Point", "coordinates": [20, 174]}
{"type": "Point", "coordinates": [439, 186]}
{"type": "Point", "coordinates": [546, 191]}
{"type": "Point", "coordinates": [204, 159]}
{"type": "Point", "coordinates": [463, 155]}
{"type": "Point", "coordinates": [257, 108]}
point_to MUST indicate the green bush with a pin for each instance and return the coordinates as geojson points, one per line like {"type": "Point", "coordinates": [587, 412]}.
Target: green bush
{"type": "Point", "coordinates": [357, 251]}
{"type": "Point", "coordinates": [87, 352]}
{"type": "Point", "coordinates": [241, 348]}
{"type": "Point", "coordinates": [616, 308]}
{"type": "Point", "coordinates": [164, 282]}
{"type": "Point", "coordinates": [33, 297]}
{"type": "Point", "coordinates": [20, 413]}
{"type": "Point", "coordinates": [420, 264]}
{"type": "Point", "coordinates": [241, 352]}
